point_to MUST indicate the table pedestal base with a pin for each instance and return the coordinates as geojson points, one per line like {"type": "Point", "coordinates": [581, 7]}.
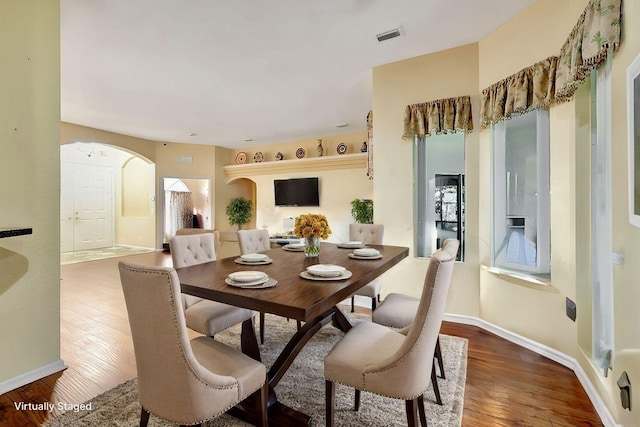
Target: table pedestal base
{"type": "Point", "coordinates": [279, 413]}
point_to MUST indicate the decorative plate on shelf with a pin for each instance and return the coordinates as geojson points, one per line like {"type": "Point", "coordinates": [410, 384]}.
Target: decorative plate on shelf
{"type": "Point", "coordinates": [241, 158]}
{"type": "Point", "coordinates": [342, 148]}
{"type": "Point", "coordinates": [257, 157]}
{"type": "Point", "coordinates": [279, 156]}
{"type": "Point", "coordinates": [300, 153]}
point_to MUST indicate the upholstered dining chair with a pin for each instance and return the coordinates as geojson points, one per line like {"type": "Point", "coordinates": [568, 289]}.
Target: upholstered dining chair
{"type": "Point", "coordinates": [203, 315]}
{"type": "Point", "coordinates": [253, 241]}
{"type": "Point", "coordinates": [368, 234]}
{"type": "Point", "coordinates": [182, 381]}
{"type": "Point", "coordinates": [398, 311]}
{"type": "Point", "coordinates": [380, 360]}
{"type": "Point", "coordinates": [216, 235]}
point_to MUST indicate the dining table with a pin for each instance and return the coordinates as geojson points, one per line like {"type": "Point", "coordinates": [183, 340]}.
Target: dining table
{"type": "Point", "coordinates": [296, 295]}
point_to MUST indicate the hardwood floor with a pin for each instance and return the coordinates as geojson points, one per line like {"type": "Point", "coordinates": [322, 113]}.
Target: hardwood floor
{"type": "Point", "coordinates": [507, 385]}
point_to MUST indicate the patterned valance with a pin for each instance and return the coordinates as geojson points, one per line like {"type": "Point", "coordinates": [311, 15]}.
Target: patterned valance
{"type": "Point", "coordinates": [526, 90]}
{"type": "Point", "coordinates": [440, 116]}
{"type": "Point", "coordinates": [597, 31]}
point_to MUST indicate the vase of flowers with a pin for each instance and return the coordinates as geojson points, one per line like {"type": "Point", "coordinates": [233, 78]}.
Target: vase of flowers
{"type": "Point", "coordinates": [312, 227]}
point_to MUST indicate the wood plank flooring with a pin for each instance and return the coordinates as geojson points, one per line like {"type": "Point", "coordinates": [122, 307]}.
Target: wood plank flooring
{"type": "Point", "coordinates": [507, 385]}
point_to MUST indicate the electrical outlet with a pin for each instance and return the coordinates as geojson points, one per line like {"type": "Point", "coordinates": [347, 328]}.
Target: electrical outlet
{"type": "Point", "coordinates": [571, 309]}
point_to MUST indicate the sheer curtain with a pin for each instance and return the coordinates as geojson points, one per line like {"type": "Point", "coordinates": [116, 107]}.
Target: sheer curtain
{"type": "Point", "coordinates": [601, 219]}
{"type": "Point", "coordinates": [180, 211]}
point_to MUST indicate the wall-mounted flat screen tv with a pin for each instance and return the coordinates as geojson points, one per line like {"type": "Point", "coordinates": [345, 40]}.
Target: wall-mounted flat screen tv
{"type": "Point", "coordinates": [296, 192]}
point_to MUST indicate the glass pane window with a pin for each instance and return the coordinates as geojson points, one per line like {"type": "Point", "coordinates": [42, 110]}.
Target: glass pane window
{"type": "Point", "coordinates": [439, 192]}
{"type": "Point", "coordinates": [521, 215]}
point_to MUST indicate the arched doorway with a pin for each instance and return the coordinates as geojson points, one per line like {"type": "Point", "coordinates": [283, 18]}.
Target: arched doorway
{"type": "Point", "coordinates": [107, 198]}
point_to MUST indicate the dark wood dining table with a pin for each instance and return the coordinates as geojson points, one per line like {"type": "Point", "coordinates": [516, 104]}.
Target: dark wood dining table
{"type": "Point", "coordinates": [309, 301]}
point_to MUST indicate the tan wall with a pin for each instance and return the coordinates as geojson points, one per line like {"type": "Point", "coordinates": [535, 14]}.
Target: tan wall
{"type": "Point", "coordinates": [533, 311]}
{"type": "Point", "coordinates": [337, 187]}
{"type": "Point", "coordinates": [626, 238]}
{"type": "Point", "coordinates": [425, 78]}
{"type": "Point", "coordinates": [30, 189]}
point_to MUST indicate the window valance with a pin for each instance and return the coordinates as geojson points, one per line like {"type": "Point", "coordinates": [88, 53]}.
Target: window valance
{"type": "Point", "coordinates": [528, 89]}
{"type": "Point", "coordinates": [597, 31]}
{"type": "Point", "coordinates": [439, 116]}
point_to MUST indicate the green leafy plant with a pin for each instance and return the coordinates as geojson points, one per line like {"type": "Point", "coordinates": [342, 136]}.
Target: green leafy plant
{"type": "Point", "coordinates": [362, 211]}
{"type": "Point", "coordinates": [239, 211]}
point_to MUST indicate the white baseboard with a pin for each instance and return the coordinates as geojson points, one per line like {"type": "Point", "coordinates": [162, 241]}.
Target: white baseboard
{"type": "Point", "coordinates": [31, 376]}
{"type": "Point", "coordinates": [548, 352]}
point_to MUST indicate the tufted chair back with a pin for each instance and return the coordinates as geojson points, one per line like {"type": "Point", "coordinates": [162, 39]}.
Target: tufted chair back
{"type": "Point", "coordinates": [190, 249]}
{"type": "Point", "coordinates": [216, 235]}
{"type": "Point", "coordinates": [252, 241]}
{"type": "Point", "coordinates": [369, 234]}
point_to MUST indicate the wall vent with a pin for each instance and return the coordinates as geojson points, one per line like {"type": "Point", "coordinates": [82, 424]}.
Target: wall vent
{"type": "Point", "coordinates": [388, 35]}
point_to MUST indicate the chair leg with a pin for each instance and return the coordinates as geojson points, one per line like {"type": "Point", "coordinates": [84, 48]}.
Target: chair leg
{"type": "Point", "coordinates": [144, 418]}
{"type": "Point", "coordinates": [438, 354]}
{"type": "Point", "coordinates": [421, 413]}
{"type": "Point", "coordinates": [299, 324]}
{"type": "Point", "coordinates": [353, 303]}
{"type": "Point", "coordinates": [261, 404]}
{"type": "Point", "coordinates": [356, 401]}
{"type": "Point", "coordinates": [330, 390]}
{"type": "Point", "coordinates": [434, 382]}
{"type": "Point", "coordinates": [373, 303]}
{"type": "Point", "coordinates": [412, 412]}
{"type": "Point", "coordinates": [261, 327]}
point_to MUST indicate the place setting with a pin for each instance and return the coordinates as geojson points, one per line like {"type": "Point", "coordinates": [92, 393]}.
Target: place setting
{"type": "Point", "coordinates": [250, 280]}
{"type": "Point", "coordinates": [365, 253]}
{"type": "Point", "coordinates": [353, 244]}
{"type": "Point", "coordinates": [294, 247]}
{"type": "Point", "coordinates": [253, 259]}
{"type": "Point", "coordinates": [325, 272]}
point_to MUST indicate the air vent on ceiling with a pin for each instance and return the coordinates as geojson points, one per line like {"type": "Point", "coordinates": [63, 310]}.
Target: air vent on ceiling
{"type": "Point", "coordinates": [388, 35]}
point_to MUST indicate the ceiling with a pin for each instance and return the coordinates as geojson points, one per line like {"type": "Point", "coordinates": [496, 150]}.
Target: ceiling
{"type": "Point", "coordinates": [238, 70]}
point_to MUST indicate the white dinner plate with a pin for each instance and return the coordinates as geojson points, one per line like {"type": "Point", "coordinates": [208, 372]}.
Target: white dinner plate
{"type": "Point", "coordinates": [345, 275]}
{"type": "Point", "coordinates": [366, 252]}
{"type": "Point", "coordinates": [269, 283]}
{"type": "Point", "coordinates": [354, 244]}
{"type": "Point", "coordinates": [243, 262]}
{"type": "Point", "coordinates": [294, 247]}
{"type": "Point", "coordinates": [354, 256]}
{"type": "Point", "coordinates": [326, 270]}
{"type": "Point", "coordinates": [254, 257]}
{"type": "Point", "coordinates": [248, 276]}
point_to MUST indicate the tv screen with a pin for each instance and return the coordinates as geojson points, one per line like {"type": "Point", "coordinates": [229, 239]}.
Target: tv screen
{"type": "Point", "coordinates": [296, 192]}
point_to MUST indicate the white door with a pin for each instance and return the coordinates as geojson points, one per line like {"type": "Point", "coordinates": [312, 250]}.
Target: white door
{"type": "Point", "coordinates": [86, 208]}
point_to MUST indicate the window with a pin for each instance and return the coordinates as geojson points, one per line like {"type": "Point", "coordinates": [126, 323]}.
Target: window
{"type": "Point", "coordinates": [439, 192]}
{"type": "Point", "coordinates": [521, 214]}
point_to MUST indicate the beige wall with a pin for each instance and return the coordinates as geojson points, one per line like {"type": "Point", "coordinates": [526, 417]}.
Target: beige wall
{"type": "Point", "coordinates": [29, 190]}
{"type": "Point", "coordinates": [338, 187]}
{"type": "Point", "coordinates": [536, 312]}
{"type": "Point", "coordinates": [444, 74]}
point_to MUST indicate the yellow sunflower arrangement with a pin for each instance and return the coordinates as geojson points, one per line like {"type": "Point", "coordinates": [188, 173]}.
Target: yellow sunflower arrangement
{"type": "Point", "coordinates": [312, 225]}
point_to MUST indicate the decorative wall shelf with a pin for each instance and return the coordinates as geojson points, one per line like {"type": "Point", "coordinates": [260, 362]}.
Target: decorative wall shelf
{"type": "Point", "coordinates": [12, 232]}
{"type": "Point", "coordinates": [345, 161]}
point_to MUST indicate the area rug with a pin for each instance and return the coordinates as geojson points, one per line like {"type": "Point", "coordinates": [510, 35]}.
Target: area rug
{"type": "Point", "coordinates": [101, 253]}
{"type": "Point", "coordinates": [302, 387]}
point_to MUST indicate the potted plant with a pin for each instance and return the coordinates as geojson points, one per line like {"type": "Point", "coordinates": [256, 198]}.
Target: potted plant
{"type": "Point", "coordinates": [239, 211]}
{"type": "Point", "coordinates": [362, 211]}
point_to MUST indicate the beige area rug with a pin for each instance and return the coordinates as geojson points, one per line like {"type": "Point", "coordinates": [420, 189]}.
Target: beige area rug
{"type": "Point", "coordinates": [101, 253]}
{"type": "Point", "coordinates": [302, 387]}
